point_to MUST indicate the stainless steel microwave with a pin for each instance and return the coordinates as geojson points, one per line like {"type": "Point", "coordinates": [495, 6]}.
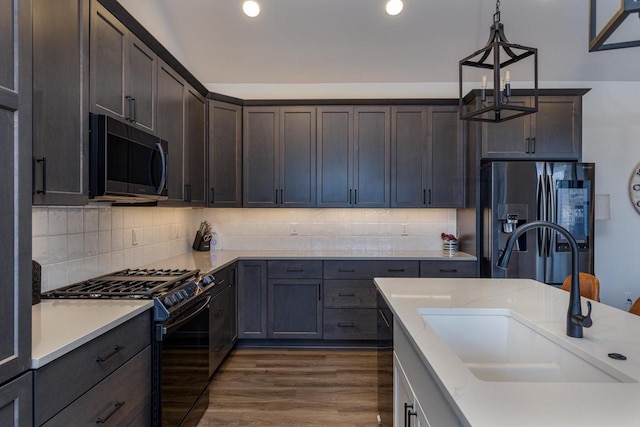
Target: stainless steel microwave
{"type": "Point", "coordinates": [126, 164]}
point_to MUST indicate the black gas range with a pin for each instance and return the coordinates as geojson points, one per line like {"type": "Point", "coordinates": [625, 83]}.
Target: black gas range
{"type": "Point", "coordinates": [181, 334]}
{"type": "Point", "coordinates": [171, 289]}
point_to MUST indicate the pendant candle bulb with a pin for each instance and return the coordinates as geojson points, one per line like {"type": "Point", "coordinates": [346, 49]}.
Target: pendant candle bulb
{"type": "Point", "coordinates": [496, 56]}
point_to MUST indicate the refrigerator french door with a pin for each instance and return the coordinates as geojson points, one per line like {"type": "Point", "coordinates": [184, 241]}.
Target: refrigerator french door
{"type": "Point", "coordinates": [514, 193]}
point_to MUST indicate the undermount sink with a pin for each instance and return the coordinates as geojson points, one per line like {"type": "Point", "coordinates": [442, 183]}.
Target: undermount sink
{"type": "Point", "coordinates": [497, 346]}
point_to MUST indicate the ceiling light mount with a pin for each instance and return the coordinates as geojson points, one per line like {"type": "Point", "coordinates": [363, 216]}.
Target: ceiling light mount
{"type": "Point", "coordinates": [496, 57]}
{"type": "Point", "coordinates": [597, 41]}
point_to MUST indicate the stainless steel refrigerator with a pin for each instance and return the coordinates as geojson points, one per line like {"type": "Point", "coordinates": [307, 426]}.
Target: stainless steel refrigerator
{"type": "Point", "coordinates": [514, 193]}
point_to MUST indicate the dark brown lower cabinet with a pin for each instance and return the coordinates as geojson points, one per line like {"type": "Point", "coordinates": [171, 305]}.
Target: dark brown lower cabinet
{"type": "Point", "coordinates": [78, 389]}
{"type": "Point", "coordinates": [294, 308]}
{"type": "Point", "coordinates": [16, 400]}
{"type": "Point", "coordinates": [223, 315]}
{"type": "Point", "coordinates": [252, 299]}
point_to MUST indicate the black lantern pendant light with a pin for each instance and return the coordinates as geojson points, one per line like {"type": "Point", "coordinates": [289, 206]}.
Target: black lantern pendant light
{"type": "Point", "coordinates": [497, 56]}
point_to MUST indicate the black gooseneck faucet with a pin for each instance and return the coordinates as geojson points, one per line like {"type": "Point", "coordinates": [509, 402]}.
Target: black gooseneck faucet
{"type": "Point", "coordinates": [575, 319]}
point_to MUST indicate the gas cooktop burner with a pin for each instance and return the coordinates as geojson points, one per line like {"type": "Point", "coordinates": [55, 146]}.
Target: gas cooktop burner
{"type": "Point", "coordinates": [129, 283]}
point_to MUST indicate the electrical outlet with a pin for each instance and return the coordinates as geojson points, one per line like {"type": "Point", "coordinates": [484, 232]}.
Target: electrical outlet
{"type": "Point", "coordinates": [293, 229]}
{"type": "Point", "coordinates": [134, 237]}
{"type": "Point", "coordinates": [405, 230]}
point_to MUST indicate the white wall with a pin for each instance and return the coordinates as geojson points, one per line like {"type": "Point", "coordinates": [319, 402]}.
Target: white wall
{"type": "Point", "coordinates": [611, 139]}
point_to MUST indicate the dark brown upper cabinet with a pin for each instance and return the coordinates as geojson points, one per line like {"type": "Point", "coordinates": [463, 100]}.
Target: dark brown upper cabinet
{"type": "Point", "coordinates": [353, 156]}
{"type": "Point", "coordinates": [225, 155]}
{"type": "Point", "coordinates": [426, 157]}
{"type": "Point", "coordinates": [279, 149]}
{"type": "Point", "coordinates": [195, 148]}
{"type": "Point", "coordinates": [553, 133]}
{"type": "Point", "coordinates": [60, 102]}
{"type": "Point", "coordinates": [123, 72]}
{"type": "Point", "coordinates": [172, 90]}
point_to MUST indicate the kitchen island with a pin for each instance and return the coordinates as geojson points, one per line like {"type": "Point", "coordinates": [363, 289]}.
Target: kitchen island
{"type": "Point", "coordinates": [603, 393]}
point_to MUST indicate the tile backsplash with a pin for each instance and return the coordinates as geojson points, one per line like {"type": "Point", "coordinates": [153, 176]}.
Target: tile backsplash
{"type": "Point", "coordinates": [77, 243]}
{"type": "Point", "coordinates": [329, 229]}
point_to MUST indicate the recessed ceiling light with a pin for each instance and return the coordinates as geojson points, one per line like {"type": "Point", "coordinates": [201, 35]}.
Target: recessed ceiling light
{"type": "Point", "coordinates": [394, 7]}
{"type": "Point", "coordinates": [251, 8]}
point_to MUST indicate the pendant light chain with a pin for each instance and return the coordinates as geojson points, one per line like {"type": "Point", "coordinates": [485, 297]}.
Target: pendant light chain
{"type": "Point", "coordinates": [496, 16]}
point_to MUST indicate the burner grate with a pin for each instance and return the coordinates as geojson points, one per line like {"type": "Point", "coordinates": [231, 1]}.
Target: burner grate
{"type": "Point", "coordinates": [129, 283]}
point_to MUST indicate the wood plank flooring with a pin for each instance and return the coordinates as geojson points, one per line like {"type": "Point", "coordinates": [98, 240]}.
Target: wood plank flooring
{"type": "Point", "coordinates": [294, 387]}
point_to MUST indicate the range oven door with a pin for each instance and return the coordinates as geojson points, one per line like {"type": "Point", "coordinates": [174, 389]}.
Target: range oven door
{"type": "Point", "coordinates": [182, 366]}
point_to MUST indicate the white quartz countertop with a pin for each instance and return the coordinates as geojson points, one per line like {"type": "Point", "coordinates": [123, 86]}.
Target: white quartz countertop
{"type": "Point", "coordinates": [215, 260]}
{"type": "Point", "coordinates": [60, 326]}
{"type": "Point", "coordinates": [481, 403]}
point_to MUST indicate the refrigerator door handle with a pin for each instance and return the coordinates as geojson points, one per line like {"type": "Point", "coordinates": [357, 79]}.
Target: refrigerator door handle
{"type": "Point", "coordinates": [541, 196]}
{"type": "Point", "coordinates": [551, 214]}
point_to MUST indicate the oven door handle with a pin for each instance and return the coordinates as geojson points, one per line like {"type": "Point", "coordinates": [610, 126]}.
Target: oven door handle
{"type": "Point", "coordinates": [182, 320]}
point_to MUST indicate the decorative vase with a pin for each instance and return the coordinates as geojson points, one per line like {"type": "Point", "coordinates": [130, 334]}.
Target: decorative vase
{"type": "Point", "coordinates": [449, 246]}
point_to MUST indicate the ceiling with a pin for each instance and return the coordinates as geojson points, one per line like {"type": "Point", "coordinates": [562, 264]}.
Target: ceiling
{"type": "Point", "coordinates": [355, 41]}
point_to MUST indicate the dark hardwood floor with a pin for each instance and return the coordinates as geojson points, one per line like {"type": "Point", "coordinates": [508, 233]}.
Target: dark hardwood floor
{"type": "Point", "coordinates": [294, 387]}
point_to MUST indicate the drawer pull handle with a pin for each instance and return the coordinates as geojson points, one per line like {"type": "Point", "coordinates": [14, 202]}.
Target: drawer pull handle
{"type": "Point", "coordinates": [295, 270]}
{"type": "Point", "coordinates": [346, 325]}
{"type": "Point", "coordinates": [395, 270]}
{"type": "Point", "coordinates": [451, 270]}
{"type": "Point", "coordinates": [344, 270]}
{"type": "Point", "coordinates": [115, 351]}
{"type": "Point", "coordinates": [346, 295]}
{"type": "Point", "coordinates": [104, 420]}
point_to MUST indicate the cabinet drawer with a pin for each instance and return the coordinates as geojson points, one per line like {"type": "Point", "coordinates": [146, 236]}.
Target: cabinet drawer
{"type": "Point", "coordinates": [447, 269]}
{"type": "Point", "coordinates": [350, 324]}
{"type": "Point", "coordinates": [291, 269]}
{"type": "Point", "coordinates": [120, 397]}
{"type": "Point", "coordinates": [349, 294]}
{"type": "Point", "coordinates": [63, 380]}
{"type": "Point", "coordinates": [369, 269]}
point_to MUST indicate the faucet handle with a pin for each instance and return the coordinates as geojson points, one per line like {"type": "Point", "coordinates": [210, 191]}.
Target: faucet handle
{"type": "Point", "coordinates": [586, 321]}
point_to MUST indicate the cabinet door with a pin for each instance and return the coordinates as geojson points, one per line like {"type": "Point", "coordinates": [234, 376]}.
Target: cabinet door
{"type": "Point", "coordinates": [195, 143]}
{"type": "Point", "coordinates": [108, 58]}
{"type": "Point", "coordinates": [408, 157]}
{"type": "Point", "coordinates": [252, 299]}
{"type": "Point", "coordinates": [403, 396]}
{"type": "Point", "coordinates": [335, 157]}
{"type": "Point", "coordinates": [297, 157]}
{"type": "Point", "coordinates": [15, 173]}
{"type": "Point", "coordinates": [446, 165]}
{"type": "Point", "coordinates": [372, 149]}
{"type": "Point", "coordinates": [295, 308]}
{"type": "Point", "coordinates": [142, 73]}
{"type": "Point", "coordinates": [220, 340]}
{"type": "Point", "coordinates": [225, 155]}
{"type": "Point", "coordinates": [16, 401]}
{"type": "Point", "coordinates": [558, 128]}
{"type": "Point", "coordinates": [507, 140]}
{"type": "Point", "coordinates": [171, 127]}
{"type": "Point", "coordinates": [261, 157]}
{"type": "Point", "coordinates": [61, 102]}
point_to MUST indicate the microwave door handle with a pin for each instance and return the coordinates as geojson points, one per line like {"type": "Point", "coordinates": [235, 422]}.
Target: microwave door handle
{"type": "Point", "coordinates": [163, 180]}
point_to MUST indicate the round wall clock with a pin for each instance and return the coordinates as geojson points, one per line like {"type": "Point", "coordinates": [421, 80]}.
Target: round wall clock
{"type": "Point", "coordinates": [634, 188]}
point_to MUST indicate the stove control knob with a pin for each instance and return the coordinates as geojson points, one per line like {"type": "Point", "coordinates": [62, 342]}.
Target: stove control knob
{"type": "Point", "coordinates": [177, 297]}
{"type": "Point", "coordinates": [167, 302]}
{"type": "Point", "coordinates": [184, 294]}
